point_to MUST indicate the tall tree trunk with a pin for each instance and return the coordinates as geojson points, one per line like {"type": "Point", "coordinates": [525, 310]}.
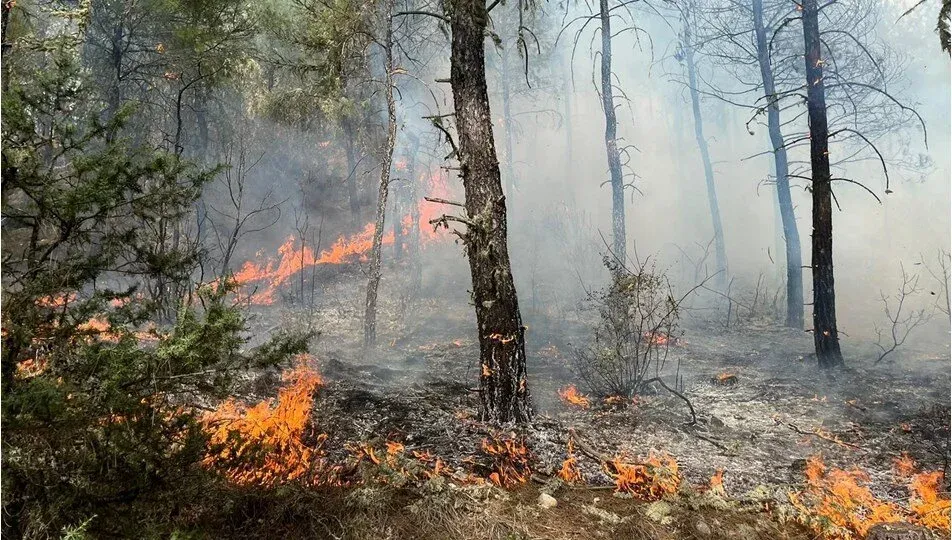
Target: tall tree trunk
{"type": "Point", "coordinates": [611, 133]}
{"type": "Point", "coordinates": [720, 253]}
{"type": "Point", "coordinates": [370, 311]}
{"type": "Point", "coordinates": [788, 219]}
{"type": "Point", "coordinates": [825, 336]}
{"type": "Point", "coordinates": [503, 389]}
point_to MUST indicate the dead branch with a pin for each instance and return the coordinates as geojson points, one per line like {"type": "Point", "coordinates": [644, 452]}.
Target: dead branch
{"type": "Point", "coordinates": [818, 433]}
{"type": "Point", "coordinates": [675, 392]}
{"type": "Point", "coordinates": [900, 324]}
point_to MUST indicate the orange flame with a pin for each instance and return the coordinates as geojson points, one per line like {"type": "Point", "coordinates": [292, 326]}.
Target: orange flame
{"type": "Point", "coordinates": [837, 503]}
{"type": "Point", "coordinates": [510, 460]}
{"type": "Point", "coordinates": [931, 510]}
{"type": "Point", "coordinates": [656, 477]}
{"type": "Point", "coordinates": [264, 444]}
{"type": "Point", "coordinates": [569, 472]}
{"type": "Point", "coordinates": [571, 395]}
{"type": "Point", "coordinates": [293, 256]}
{"type": "Point", "coordinates": [904, 466]}
{"type": "Point", "coordinates": [717, 482]}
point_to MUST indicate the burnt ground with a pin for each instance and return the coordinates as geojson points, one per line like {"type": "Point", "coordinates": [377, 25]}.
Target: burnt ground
{"type": "Point", "coordinates": [759, 430]}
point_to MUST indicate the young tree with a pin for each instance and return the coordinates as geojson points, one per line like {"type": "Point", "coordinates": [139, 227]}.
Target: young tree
{"type": "Point", "coordinates": [619, 241]}
{"type": "Point", "coordinates": [99, 405]}
{"type": "Point", "coordinates": [720, 253]}
{"type": "Point", "coordinates": [370, 306]}
{"type": "Point", "coordinates": [791, 235]}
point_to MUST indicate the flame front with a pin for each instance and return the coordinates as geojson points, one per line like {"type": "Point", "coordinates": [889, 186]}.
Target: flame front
{"type": "Point", "coordinates": [838, 504]}
{"type": "Point", "coordinates": [264, 444]}
{"type": "Point", "coordinates": [294, 256]}
{"type": "Point", "coordinates": [656, 477]}
{"type": "Point", "coordinates": [571, 395]}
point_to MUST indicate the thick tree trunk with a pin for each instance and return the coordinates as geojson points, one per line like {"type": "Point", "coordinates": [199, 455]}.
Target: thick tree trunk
{"type": "Point", "coordinates": [720, 253]}
{"type": "Point", "coordinates": [503, 389]}
{"type": "Point", "coordinates": [370, 311]}
{"type": "Point", "coordinates": [825, 336]}
{"type": "Point", "coordinates": [611, 133]}
{"type": "Point", "coordinates": [791, 235]}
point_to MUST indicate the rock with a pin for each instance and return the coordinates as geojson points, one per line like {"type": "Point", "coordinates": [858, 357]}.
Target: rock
{"type": "Point", "coordinates": [898, 531]}
{"type": "Point", "coordinates": [659, 512]}
{"type": "Point", "coordinates": [547, 501]}
{"type": "Point", "coordinates": [702, 528]}
{"type": "Point", "coordinates": [603, 516]}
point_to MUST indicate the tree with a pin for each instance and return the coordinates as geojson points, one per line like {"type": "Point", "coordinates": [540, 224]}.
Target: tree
{"type": "Point", "coordinates": [98, 400]}
{"type": "Point", "coordinates": [791, 235]}
{"type": "Point", "coordinates": [503, 388]}
{"type": "Point", "coordinates": [825, 336]}
{"type": "Point", "coordinates": [370, 307]}
{"type": "Point", "coordinates": [720, 253]}
{"type": "Point", "coordinates": [619, 241]}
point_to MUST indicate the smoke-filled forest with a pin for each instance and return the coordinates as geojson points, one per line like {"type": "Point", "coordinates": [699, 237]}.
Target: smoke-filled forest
{"type": "Point", "coordinates": [467, 269]}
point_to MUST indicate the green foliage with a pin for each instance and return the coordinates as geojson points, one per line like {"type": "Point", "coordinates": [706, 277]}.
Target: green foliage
{"type": "Point", "coordinates": [98, 407]}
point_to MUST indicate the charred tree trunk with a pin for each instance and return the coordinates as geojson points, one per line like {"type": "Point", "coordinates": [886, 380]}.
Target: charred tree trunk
{"type": "Point", "coordinates": [503, 389]}
{"type": "Point", "coordinates": [720, 253]}
{"type": "Point", "coordinates": [825, 336]}
{"type": "Point", "coordinates": [370, 312]}
{"type": "Point", "coordinates": [611, 134]}
{"type": "Point", "coordinates": [791, 235]}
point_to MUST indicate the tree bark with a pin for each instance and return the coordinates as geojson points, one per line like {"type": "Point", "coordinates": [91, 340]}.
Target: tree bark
{"type": "Point", "coordinates": [788, 219]}
{"type": "Point", "coordinates": [373, 282]}
{"type": "Point", "coordinates": [503, 389]}
{"type": "Point", "coordinates": [611, 133]}
{"type": "Point", "coordinates": [825, 336]}
{"type": "Point", "coordinates": [720, 253]}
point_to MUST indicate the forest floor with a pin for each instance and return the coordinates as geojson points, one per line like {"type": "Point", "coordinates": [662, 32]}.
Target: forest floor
{"type": "Point", "coordinates": [759, 428]}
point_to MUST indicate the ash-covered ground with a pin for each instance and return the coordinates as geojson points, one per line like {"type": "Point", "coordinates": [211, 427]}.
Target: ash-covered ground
{"type": "Point", "coordinates": [759, 426]}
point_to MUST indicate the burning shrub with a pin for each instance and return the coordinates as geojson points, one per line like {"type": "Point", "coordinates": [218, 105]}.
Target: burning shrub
{"type": "Point", "coordinates": [656, 477]}
{"type": "Point", "coordinates": [264, 444]}
{"type": "Point", "coordinates": [837, 503]}
{"type": "Point", "coordinates": [637, 319]}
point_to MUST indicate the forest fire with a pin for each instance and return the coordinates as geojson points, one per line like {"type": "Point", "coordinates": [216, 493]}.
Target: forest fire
{"type": "Point", "coordinates": [510, 460]}
{"type": "Point", "coordinates": [569, 472]}
{"type": "Point", "coordinates": [572, 396]}
{"type": "Point", "coordinates": [264, 444]}
{"type": "Point", "coordinates": [656, 477]}
{"type": "Point", "coordinates": [838, 504]}
{"type": "Point", "coordinates": [294, 255]}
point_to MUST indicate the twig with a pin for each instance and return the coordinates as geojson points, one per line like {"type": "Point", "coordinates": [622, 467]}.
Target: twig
{"type": "Point", "coordinates": [675, 392]}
